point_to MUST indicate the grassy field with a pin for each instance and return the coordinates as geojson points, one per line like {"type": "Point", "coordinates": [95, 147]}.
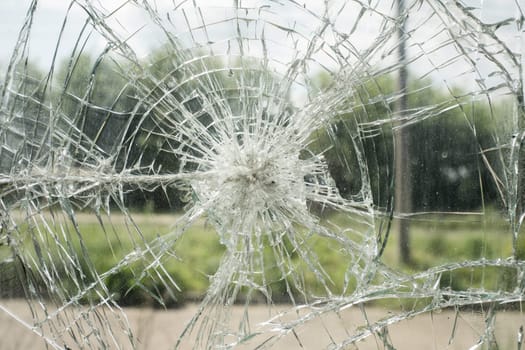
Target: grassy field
{"type": "Point", "coordinates": [435, 240]}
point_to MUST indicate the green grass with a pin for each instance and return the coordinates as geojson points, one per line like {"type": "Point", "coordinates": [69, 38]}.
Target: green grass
{"type": "Point", "coordinates": [435, 240]}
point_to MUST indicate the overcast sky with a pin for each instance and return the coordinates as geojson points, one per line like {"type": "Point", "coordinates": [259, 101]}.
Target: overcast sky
{"type": "Point", "coordinates": [131, 19]}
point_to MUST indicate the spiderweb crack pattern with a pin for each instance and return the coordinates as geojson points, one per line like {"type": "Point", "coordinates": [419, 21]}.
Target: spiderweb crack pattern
{"type": "Point", "coordinates": [275, 123]}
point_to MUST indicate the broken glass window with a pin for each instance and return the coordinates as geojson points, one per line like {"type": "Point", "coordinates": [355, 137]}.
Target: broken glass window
{"type": "Point", "coordinates": [354, 166]}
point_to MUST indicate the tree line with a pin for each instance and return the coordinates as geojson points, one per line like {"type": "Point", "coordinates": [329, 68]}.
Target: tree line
{"type": "Point", "coordinates": [448, 134]}
{"type": "Point", "coordinates": [452, 139]}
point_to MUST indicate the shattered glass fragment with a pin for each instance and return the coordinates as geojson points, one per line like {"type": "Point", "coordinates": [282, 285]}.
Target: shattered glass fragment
{"type": "Point", "coordinates": [258, 152]}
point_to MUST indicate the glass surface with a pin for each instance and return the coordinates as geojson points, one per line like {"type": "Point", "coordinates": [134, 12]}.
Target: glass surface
{"type": "Point", "coordinates": [262, 174]}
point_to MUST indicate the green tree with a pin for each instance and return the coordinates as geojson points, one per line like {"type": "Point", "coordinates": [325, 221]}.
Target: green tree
{"type": "Point", "coordinates": [446, 143]}
{"type": "Point", "coordinates": [26, 139]}
{"type": "Point", "coordinates": [95, 104]}
{"type": "Point", "coordinates": [136, 111]}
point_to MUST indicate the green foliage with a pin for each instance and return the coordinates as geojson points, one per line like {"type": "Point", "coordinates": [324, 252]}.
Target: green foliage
{"type": "Point", "coordinates": [482, 278]}
{"type": "Point", "coordinates": [435, 241]}
{"type": "Point", "coordinates": [448, 173]}
{"type": "Point", "coordinates": [446, 142]}
{"type": "Point", "coordinates": [520, 248]}
{"type": "Point", "coordinates": [27, 115]}
{"type": "Point", "coordinates": [476, 248]}
{"type": "Point", "coordinates": [124, 290]}
{"type": "Point", "coordinates": [447, 170]}
{"type": "Point", "coordinates": [108, 107]}
{"type": "Point", "coordinates": [437, 246]}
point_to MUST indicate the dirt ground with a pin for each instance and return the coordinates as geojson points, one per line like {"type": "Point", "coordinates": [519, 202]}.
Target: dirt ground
{"type": "Point", "coordinates": [160, 329]}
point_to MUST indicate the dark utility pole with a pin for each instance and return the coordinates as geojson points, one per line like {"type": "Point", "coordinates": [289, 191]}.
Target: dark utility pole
{"type": "Point", "coordinates": [403, 192]}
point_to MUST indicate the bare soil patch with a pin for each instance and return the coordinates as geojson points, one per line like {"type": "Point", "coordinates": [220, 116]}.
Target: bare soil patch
{"type": "Point", "coordinates": [160, 329]}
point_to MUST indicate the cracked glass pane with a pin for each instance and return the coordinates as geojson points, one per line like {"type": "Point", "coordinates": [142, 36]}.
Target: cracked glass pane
{"type": "Point", "coordinates": [262, 174]}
